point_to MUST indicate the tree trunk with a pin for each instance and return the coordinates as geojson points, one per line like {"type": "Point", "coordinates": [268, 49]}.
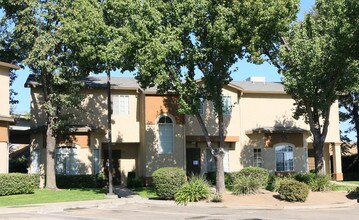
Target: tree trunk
{"type": "Point", "coordinates": [220, 185]}
{"type": "Point", "coordinates": [318, 146]}
{"type": "Point", "coordinates": [50, 160]}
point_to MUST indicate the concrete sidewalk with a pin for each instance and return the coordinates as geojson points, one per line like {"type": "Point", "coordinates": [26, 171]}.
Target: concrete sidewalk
{"type": "Point", "coordinates": [263, 200]}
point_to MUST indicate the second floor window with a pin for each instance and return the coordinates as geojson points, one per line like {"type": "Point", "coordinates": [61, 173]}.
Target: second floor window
{"type": "Point", "coordinates": [121, 104]}
{"type": "Point", "coordinates": [165, 133]}
{"type": "Point", "coordinates": [227, 105]}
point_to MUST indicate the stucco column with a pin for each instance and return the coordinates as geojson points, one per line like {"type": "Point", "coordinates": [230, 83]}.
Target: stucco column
{"type": "Point", "coordinates": [337, 162]}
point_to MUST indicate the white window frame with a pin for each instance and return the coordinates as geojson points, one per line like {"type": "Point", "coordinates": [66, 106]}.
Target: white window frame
{"type": "Point", "coordinates": [66, 160]}
{"type": "Point", "coordinates": [257, 157]}
{"type": "Point", "coordinates": [35, 161]}
{"type": "Point", "coordinates": [96, 161]}
{"type": "Point", "coordinates": [286, 151]}
{"type": "Point", "coordinates": [165, 146]}
{"type": "Point", "coordinates": [123, 104]}
{"type": "Point", "coordinates": [227, 105]}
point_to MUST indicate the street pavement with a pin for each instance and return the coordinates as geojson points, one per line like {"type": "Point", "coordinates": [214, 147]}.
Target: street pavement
{"type": "Point", "coordinates": [131, 206]}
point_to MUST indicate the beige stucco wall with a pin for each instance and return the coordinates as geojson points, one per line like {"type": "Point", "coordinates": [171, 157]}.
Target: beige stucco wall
{"type": "Point", "coordinates": [4, 112]}
{"type": "Point", "coordinates": [4, 152]}
{"type": "Point", "coordinates": [4, 91]}
{"type": "Point", "coordinates": [270, 110]}
{"type": "Point", "coordinates": [125, 128]}
{"type": "Point", "coordinates": [231, 122]}
{"type": "Point", "coordinates": [154, 160]}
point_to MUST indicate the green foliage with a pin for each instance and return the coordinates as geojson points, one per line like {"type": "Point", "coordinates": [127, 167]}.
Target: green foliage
{"type": "Point", "coordinates": [211, 178]}
{"type": "Point", "coordinates": [80, 181]}
{"type": "Point", "coordinates": [320, 183]}
{"type": "Point", "coordinates": [18, 164]}
{"type": "Point", "coordinates": [293, 191]}
{"type": "Point", "coordinates": [195, 190]}
{"type": "Point", "coordinates": [243, 185]}
{"type": "Point", "coordinates": [17, 183]}
{"type": "Point", "coordinates": [274, 182]}
{"type": "Point", "coordinates": [306, 178]}
{"type": "Point", "coordinates": [260, 174]}
{"type": "Point", "coordinates": [168, 180]}
{"type": "Point", "coordinates": [318, 64]}
{"type": "Point", "coordinates": [133, 182]}
{"type": "Point", "coordinates": [217, 197]}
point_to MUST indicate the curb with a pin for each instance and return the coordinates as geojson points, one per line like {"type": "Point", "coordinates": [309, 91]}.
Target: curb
{"type": "Point", "coordinates": [114, 203]}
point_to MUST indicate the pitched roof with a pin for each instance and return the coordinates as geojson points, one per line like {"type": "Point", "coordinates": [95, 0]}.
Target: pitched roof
{"type": "Point", "coordinates": [260, 87]}
{"type": "Point", "coordinates": [130, 83]}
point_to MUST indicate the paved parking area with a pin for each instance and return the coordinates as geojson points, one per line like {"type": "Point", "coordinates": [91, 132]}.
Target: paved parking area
{"type": "Point", "coordinates": [172, 212]}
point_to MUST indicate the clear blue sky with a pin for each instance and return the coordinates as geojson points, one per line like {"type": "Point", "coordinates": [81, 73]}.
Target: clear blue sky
{"type": "Point", "coordinates": [245, 70]}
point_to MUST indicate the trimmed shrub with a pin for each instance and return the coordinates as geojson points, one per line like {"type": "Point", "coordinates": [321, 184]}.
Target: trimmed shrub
{"type": "Point", "coordinates": [18, 183]}
{"type": "Point", "coordinates": [293, 191]}
{"type": "Point", "coordinates": [275, 181]}
{"type": "Point", "coordinates": [304, 177]}
{"type": "Point", "coordinates": [80, 181]}
{"type": "Point", "coordinates": [195, 190]}
{"type": "Point", "coordinates": [167, 181]}
{"type": "Point", "coordinates": [243, 185]}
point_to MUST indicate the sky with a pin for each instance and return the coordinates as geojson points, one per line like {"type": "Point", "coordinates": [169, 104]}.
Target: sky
{"type": "Point", "coordinates": [244, 71]}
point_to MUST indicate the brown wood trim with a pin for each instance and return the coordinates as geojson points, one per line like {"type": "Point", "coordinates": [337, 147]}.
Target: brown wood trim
{"type": "Point", "coordinates": [198, 138]}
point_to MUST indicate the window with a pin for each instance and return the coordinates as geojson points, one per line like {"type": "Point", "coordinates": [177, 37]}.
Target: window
{"type": "Point", "coordinates": [165, 130]}
{"type": "Point", "coordinates": [227, 105]}
{"type": "Point", "coordinates": [284, 158]}
{"type": "Point", "coordinates": [211, 162]}
{"type": "Point", "coordinates": [35, 161]}
{"type": "Point", "coordinates": [257, 157]}
{"type": "Point", "coordinates": [66, 161]}
{"type": "Point", "coordinates": [121, 104]}
{"type": "Point", "coordinates": [96, 161]}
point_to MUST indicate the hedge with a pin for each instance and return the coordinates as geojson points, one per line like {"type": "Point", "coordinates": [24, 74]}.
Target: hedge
{"type": "Point", "coordinates": [80, 181]}
{"type": "Point", "coordinates": [18, 183]}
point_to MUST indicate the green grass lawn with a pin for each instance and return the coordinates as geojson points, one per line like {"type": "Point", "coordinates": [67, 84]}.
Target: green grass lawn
{"type": "Point", "coordinates": [146, 192]}
{"type": "Point", "coordinates": [352, 182]}
{"type": "Point", "coordinates": [48, 196]}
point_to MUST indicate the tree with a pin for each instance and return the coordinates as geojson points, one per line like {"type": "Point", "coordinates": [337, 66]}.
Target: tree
{"type": "Point", "coordinates": [350, 102]}
{"type": "Point", "coordinates": [179, 40]}
{"type": "Point", "coordinates": [35, 37]}
{"type": "Point", "coordinates": [7, 55]}
{"type": "Point", "coordinates": [317, 66]}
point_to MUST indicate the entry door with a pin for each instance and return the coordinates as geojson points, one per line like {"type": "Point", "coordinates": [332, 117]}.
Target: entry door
{"type": "Point", "coordinates": [116, 157]}
{"type": "Point", "coordinates": [193, 161]}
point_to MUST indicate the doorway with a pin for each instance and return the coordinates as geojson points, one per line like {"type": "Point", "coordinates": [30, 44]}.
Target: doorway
{"type": "Point", "coordinates": [193, 161]}
{"type": "Point", "coordinates": [116, 172]}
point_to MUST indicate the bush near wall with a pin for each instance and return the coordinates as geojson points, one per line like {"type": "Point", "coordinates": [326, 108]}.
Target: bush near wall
{"type": "Point", "coordinates": [211, 178]}
{"type": "Point", "coordinates": [18, 183]}
{"type": "Point", "coordinates": [167, 181]}
{"type": "Point", "coordinates": [293, 191]}
{"type": "Point", "coordinates": [80, 181]}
